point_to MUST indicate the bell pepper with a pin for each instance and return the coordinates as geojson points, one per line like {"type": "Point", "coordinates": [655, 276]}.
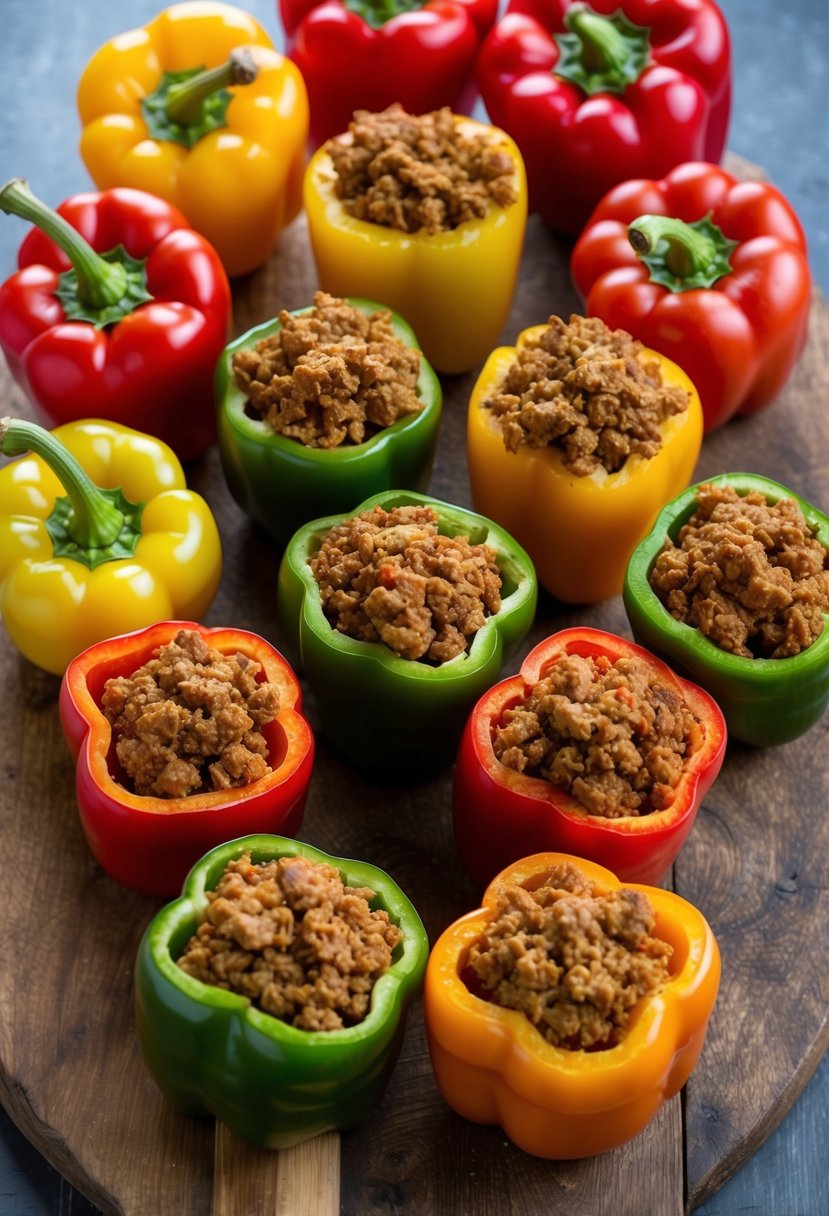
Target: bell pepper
{"type": "Point", "coordinates": [366, 54]}
{"type": "Point", "coordinates": [150, 843]}
{"type": "Point", "coordinates": [765, 701]}
{"type": "Point", "coordinates": [708, 270]}
{"type": "Point", "coordinates": [198, 108]}
{"type": "Point", "coordinates": [387, 715]}
{"type": "Point", "coordinates": [501, 815]}
{"type": "Point", "coordinates": [579, 531]}
{"type": "Point", "coordinates": [211, 1052]}
{"type": "Point", "coordinates": [493, 1066]}
{"type": "Point", "coordinates": [594, 94]}
{"type": "Point", "coordinates": [79, 562]}
{"type": "Point", "coordinates": [454, 288]}
{"type": "Point", "coordinates": [118, 311]}
{"type": "Point", "coordinates": [283, 484]}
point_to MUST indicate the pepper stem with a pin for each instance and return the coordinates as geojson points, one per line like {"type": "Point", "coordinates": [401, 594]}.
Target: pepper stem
{"type": "Point", "coordinates": [604, 47]}
{"type": "Point", "coordinates": [601, 54]}
{"type": "Point", "coordinates": [100, 283]}
{"type": "Point", "coordinates": [679, 255]}
{"type": "Point", "coordinates": [185, 100]}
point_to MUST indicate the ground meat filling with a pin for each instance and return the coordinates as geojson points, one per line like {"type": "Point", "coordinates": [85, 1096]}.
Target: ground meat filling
{"type": "Point", "coordinates": [292, 938]}
{"type": "Point", "coordinates": [421, 172]}
{"type": "Point", "coordinates": [390, 576]}
{"type": "Point", "coordinates": [613, 735]}
{"type": "Point", "coordinates": [331, 376]}
{"type": "Point", "coordinates": [583, 388]}
{"type": "Point", "coordinates": [574, 960]}
{"type": "Point", "coordinates": [189, 720]}
{"type": "Point", "coordinates": [748, 574]}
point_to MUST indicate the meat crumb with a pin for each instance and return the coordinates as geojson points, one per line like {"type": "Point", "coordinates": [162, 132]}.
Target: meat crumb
{"type": "Point", "coordinates": [573, 959]}
{"type": "Point", "coordinates": [332, 375]}
{"type": "Point", "coordinates": [423, 172]}
{"type": "Point", "coordinates": [392, 577]}
{"type": "Point", "coordinates": [612, 734]}
{"type": "Point", "coordinates": [190, 719]}
{"type": "Point", "coordinates": [584, 388]}
{"type": "Point", "coordinates": [749, 574]}
{"type": "Point", "coordinates": [292, 938]}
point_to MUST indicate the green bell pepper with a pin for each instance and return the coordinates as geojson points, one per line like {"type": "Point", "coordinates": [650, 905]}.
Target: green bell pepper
{"type": "Point", "coordinates": [390, 716]}
{"type": "Point", "coordinates": [765, 701]}
{"type": "Point", "coordinates": [211, 1052]}
{"type": "Point", "coordinates": [282, 483]}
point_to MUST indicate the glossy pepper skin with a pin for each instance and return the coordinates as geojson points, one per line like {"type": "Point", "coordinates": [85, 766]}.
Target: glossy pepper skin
{"type": "Point", "coordinates": [501, 815]}
{"type": "Point", "coordinates": [596, 94]}
{"type": "Point", "coordinates": [579, 531]}
{"type": "Point", "coordinates": [454, 288]}
{"type": "Point", "coordinates": [738, 330]}
{"type": "Point", "coordinates": [493, 1066]}
{"type": "Point", "coordinates": [765, 701]}
{"type": "Point", "coordinates": [139, 350]}
{"type": "Point", "coordinates": [283, 484]}
{"type": "Point", "coordinates": [367, 54]}
{"type": "Point", "coordinates": [126, 545]}
{"type": "Point", "coordinates": [150, 843]}
{"type": "Point", "coordinates": [387, 715]}
{"type": "Point", "coordinates": [229, 151]}
{"type": "Point", "coordinates": [274, 1085]}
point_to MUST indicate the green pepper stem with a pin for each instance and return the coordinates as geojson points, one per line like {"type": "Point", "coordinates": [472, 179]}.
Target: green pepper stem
{"type": "Point", "coordinates": [100, 283]}
{"type": "Point", "coordinates": [604, 47]}
{"type": "Point", "coordinates": [185, 100]}
{"type": "Point", "coordinates": [96, 522]}
{"type": "Point", "coordinates": [688, 252]}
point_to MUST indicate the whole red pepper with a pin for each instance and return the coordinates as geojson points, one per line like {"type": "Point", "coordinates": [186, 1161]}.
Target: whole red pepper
{"type": "Point", "coordinates": [501, 815]}
{"type": "Point", "coordinates": [367, 54]}
{"type": "Point", "coordinates": [118, 311]}
{"type": "Point", "coordinates": [708, 270]}
{"type": "Point", "coordinates": [597, 94]}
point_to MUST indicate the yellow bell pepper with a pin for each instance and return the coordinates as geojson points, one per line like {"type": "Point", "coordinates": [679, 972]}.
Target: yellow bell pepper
{"type": "Point", "coordinates": [99, 535]}
{"type": "Point", "coordinates": [579, 531]}
{"type": "Point", "coordinates": [453, 288]}
{"type": "Point", "coordinates": [225, 145]}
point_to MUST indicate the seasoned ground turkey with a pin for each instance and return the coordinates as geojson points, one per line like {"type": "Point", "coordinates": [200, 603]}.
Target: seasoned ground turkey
{"type": "Point", "coordinates": [749, 575]}
{"type": "Point", "coordinates": [613, 735]}
{"type": "Point", "coordinates": [583, 388]}
{"type": "Point", "coordinates": [390, 576]}
{"type": "Point", "coordinates": [333, 375]}
{"type": "Point", "coordinates": [189, 720]}
{"type": "Point", "coordinates": [574, 960]}
{"type": "Point", "coordinates": [423, 172]}
{"type": "Point", "coordinates": [288, 935]}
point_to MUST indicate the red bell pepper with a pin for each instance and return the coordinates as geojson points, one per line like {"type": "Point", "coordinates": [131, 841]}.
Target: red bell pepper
{"type": "Point", "coordinates": [366, 54]}
{"type": "Point", "coordinates": [501, 815]}
{"type": "Point", "coordinates": [118, 311]}
{"type": "Point", "coordinates": [597, 94]}
{"type": "Point", "coordinates": [708, 270]}
{"type": "Point", "coordinates": [150, 843]}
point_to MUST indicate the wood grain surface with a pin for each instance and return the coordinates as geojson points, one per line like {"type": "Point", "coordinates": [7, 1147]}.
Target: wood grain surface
{"type": "Point", "coordinates": [757, 864]}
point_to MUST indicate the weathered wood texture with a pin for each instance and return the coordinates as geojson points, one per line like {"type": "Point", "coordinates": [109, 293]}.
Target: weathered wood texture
{"type": "Point", "coordinates": [756, 863]}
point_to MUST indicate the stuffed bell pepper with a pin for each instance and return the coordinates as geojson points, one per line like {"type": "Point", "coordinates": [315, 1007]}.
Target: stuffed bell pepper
{"type": "Point", "coordinates": [731, 585]}
{"type": "Point", "coordinates": [400, 615]}
{"type": "Point", "coordinates": [576, 436]}
{"type": "Point", "coordinates": [278, 1053]}
{"type": "Point", "coordinates": [573, 1046]}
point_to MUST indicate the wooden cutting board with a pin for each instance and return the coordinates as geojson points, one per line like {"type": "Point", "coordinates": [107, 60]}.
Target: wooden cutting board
{"type": "Point", "coordinates": [757, 864]}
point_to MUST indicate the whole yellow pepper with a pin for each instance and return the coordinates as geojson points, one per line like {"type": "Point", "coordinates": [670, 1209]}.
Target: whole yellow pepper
{"type": "Point", "coordinates": [99, 535]}
{"type": "Point", "coordinates": [177, 109]}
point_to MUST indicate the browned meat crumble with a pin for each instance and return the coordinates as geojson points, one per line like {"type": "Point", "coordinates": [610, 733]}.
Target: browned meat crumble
{"type": "Point", "coordinates": [573, 959]}
{"type": "Point", "coordinates": [390, 576]}
{"type": "Point", "coordinates": [584, 388]}
{"type": "Point", "coordinates": [613, 735]}
{"type": "Point", "coordinates": [419, 172]}
{"type": "Point", "coordinates": [292, 938]}
{"type": "Point", "coordinates": [748, 574]}
{"type": "Point", "coordinates": [188, 721]}
{"type": "Point", "coordinates": [330, 376]}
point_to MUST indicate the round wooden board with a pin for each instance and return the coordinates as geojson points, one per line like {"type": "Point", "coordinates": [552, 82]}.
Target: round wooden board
{"type": "Point", "coordinates": [756, 864]}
